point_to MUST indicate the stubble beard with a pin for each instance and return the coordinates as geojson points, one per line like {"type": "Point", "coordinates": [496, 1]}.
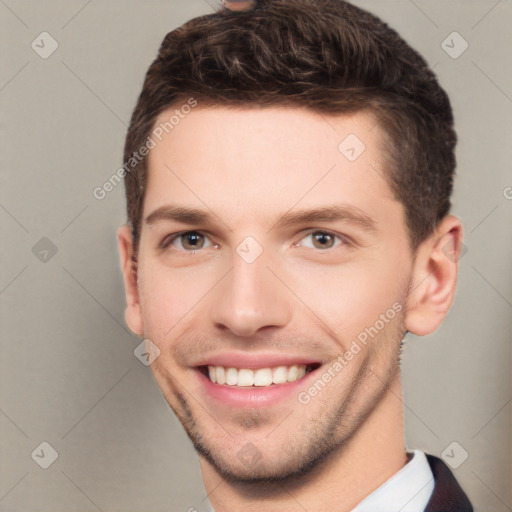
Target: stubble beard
{"type": "Point", "coordinates": [313, 444]}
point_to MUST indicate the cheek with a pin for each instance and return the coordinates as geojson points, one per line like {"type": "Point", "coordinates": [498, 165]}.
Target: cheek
{"type": "Point", "coordinates": [351, 297]}
{"type": "Point", "coordinates": [166, 298]}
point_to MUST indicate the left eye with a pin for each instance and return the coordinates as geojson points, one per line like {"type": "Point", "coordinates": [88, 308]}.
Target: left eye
{"type": "Point", "coordinates": [189, 241]}
{"type": "Point", "coordinates": [321, 240]}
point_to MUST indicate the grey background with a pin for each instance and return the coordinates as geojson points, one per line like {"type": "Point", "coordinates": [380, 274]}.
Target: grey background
{"type": "Point", "coordinates": [68, 375]}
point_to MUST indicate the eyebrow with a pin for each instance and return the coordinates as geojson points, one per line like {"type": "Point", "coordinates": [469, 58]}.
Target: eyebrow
{"type": "Point", "coordinates": [346, 213]}
{"type": "Point", "coordinates": [179, 214]}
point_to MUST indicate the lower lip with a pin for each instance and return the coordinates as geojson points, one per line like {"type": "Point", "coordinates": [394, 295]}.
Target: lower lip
{"type": "Point", "coordinates": [254, 396]}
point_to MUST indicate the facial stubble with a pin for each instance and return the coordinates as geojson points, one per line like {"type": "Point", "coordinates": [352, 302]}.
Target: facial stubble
{"type": "Point", "coordinates": [312, 445]}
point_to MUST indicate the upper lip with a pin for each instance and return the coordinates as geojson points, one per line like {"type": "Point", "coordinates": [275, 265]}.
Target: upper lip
{"type": "Point", "coordinates": [254, 361]}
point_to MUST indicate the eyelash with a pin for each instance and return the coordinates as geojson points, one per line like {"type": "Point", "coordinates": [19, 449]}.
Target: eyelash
{"type": "Point", "coordinates": [342, 239]}
{"type": "Point", "coordinates": [169, 239]}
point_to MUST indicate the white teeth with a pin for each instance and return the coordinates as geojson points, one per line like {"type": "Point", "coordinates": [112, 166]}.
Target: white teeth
{"type": "Point", "coordinates": [245, 377]}
{"type": "Point", "coordinates": [263, 377]}
{"type": "Point", "coordinates": [279, 374]}
{"type": "Point", "coordinates": [220, 374]}
{"type": "Point", "coordinates": [292, 373]}
{"type": "Point", "coordinates": [231, 376]}
{"type": "Point", "coordinates": [260, 377]}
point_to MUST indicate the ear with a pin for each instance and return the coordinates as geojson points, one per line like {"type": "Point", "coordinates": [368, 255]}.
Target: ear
{"type": "Point", "coordinates": [133, 313]}
{"type": "Point", "coordinates": [434, 278]}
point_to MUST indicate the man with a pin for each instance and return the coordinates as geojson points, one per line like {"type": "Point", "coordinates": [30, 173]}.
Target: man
{"type": "Point", "coordinates": [288, 180]}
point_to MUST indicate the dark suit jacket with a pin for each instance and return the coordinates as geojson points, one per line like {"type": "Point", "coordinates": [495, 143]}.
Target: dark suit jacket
{"type": "Point", "coordinates": [448, 495]}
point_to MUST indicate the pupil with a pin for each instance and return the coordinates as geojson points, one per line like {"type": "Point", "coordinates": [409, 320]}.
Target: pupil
{"type": "Point", "coordinates": [193, 239]}
{"type": "Point", "coordinates": [323, 239]}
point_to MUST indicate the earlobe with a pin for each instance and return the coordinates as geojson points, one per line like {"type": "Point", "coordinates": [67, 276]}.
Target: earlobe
{"type": "Point", "coordinates": [434, 278]}
{"type": "Point", "coordinates": [133, 314]}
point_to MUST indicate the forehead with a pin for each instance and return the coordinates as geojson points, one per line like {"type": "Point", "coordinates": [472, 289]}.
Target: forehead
{"type": "Point", "coordinates": [257, 162]}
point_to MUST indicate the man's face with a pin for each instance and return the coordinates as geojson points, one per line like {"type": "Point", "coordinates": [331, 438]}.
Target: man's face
{"type": "Point", "coordinates": [292, 252]}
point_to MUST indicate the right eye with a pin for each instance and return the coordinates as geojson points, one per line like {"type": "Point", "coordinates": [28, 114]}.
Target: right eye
{"type": "Point", "coordinates": [188, 241]}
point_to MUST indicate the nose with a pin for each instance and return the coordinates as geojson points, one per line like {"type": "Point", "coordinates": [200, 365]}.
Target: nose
{"type": "Point", "coordinates": [250, 299]}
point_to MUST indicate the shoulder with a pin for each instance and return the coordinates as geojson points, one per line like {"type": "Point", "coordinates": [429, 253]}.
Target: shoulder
{"type": "Point", "coordinates": [448, 495]}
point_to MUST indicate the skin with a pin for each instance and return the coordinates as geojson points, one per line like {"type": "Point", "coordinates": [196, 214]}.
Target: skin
{"type": "Point", "coordinates": [306, 296]}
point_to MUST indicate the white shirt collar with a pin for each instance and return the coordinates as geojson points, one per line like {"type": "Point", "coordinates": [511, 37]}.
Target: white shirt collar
{"type": "Point", "coordinates": [408, 490]}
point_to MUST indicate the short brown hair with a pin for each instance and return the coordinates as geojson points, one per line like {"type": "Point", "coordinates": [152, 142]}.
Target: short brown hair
{"type": "Point", "coordinates": [325, 55]}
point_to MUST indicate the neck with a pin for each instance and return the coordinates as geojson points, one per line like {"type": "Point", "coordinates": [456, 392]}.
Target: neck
{"type": "Point", "coordinates": [372, 455]}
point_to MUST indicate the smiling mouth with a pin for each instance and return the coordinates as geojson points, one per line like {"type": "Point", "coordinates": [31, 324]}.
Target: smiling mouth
{"type": "Point", "coordinates": [257, 377]}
